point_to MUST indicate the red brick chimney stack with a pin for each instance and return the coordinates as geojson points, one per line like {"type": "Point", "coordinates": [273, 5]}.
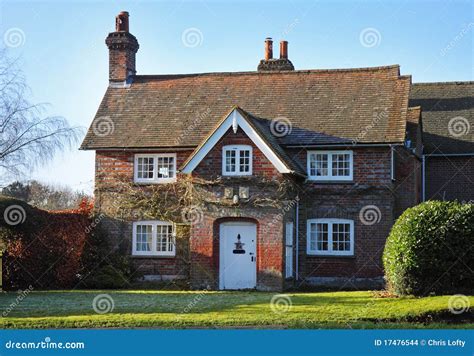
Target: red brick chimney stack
{"type": "Point", "coordinates": [283, 49]}
{"type": "Point", "coordinates": [123, 47]}
{"type": "Point", "coordinates": [121, 22]}
{"type": "Point", "coordinates": [268, 48]}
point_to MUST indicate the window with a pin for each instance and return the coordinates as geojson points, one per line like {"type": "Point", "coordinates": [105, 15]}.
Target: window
{"type": "Point", "coordinates": [237, 160]}
{"type": "Point", "coordinates": [330, 237]}
{"type": "Point", "coordinates": [289, 250]}
{"type": "Point", "coordinates": [153, 238]}
{"type": "Point", "coordinates": [155, 168]}
{"type": "Point", "coordinates": [330, 165]}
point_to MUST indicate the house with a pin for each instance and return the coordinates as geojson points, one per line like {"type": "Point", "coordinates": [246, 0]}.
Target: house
{"type": "Point", "coordinates": [289, 177]}
{"type": "Point", "coordinates": [448, 137]}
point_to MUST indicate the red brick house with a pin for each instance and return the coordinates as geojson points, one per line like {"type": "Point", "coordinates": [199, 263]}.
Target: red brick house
{"type": "Point", "coordinates": [305, 170]}
{"type": "Point", "coordinates": [448, 137]}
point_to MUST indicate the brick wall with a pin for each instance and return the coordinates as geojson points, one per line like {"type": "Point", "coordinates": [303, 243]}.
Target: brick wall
{"type": "Point", "coordinates": [449, 178]}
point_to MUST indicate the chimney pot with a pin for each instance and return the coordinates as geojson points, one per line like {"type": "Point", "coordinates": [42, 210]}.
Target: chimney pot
{"type": "Point", "coordinates": [268, 48]}
{"type": "Point", "coordinates": [284, 50]}
{"type": "Point", "coordinates": [121, 22]}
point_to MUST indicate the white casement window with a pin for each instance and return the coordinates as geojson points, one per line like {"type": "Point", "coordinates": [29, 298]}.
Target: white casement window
{"type": "Point", "coordinates": [155, 168]}
{"type": "Point", "coordinates": [289, 250]}
{"type": "Point", "coordinates": [330, 165]}
{"type": "Point", "coordinates": [153, 238]}
{"type": "Point", "coordinates": [237, 160]}
{"type": "Point", "coordinates": [330, 237]}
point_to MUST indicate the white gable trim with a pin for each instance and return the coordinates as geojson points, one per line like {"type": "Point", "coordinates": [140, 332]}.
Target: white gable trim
{"type": "Point", "coordinates": [235, 120]}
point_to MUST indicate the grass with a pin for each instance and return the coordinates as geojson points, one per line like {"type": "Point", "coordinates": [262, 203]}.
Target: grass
{"type": "Point", "coordinates": [179, 309]}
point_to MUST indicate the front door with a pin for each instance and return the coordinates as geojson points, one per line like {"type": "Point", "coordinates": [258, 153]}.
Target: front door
{"type": "Point", "coordinates": [238, 260]}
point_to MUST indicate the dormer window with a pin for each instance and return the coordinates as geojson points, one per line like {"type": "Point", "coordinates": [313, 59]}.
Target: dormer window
{"type": "Point", "coordinates": [155, 168]}
{"type": "Point", "coordinates": [237, 160]}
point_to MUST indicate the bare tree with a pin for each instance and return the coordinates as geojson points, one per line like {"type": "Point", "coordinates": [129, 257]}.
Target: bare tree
{"type": "Point", "coordinates": [28, 137]}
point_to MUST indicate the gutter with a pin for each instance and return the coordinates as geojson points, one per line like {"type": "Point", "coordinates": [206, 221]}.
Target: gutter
{"type": "Point", "coordinates": [423, 179]}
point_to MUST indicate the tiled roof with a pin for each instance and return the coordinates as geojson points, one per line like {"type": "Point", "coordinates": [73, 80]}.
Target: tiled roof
{"type": "Point", "coordinates": [448, 116]}
{"type": "Point", "coordinates": [322, 107]}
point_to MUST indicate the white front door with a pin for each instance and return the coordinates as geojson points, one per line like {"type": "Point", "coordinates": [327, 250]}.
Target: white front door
{"type": "Point", "coordinates": [238, 258]}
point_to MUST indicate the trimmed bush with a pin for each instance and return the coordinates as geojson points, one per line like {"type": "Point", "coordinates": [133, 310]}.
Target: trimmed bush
{"type": "Point", "coordinates": [431, 250]}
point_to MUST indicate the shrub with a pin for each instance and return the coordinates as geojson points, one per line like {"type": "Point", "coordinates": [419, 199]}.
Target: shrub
{"type": "Point", "coordinates": [41, 248]}
{"type": "Point", "coordinates": [102, 266]}
{"type": "Point", "coordinates": [430, 250]}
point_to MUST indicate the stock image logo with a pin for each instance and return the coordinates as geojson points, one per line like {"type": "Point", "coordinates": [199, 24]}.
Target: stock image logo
{"type": "Point", "coordinates": [370, 215]}
{"type": "Point", "coordinates": [14, 37]}
{"type": "Point", "coordinates": [103, 126]}
{"type": "Point", "coordinates": [281, 303]}
{"type": "Point", "coordinates": [192, 214]}
{"type": "Point", "coordinates": [281, 126]}
{"type": "Point", "coordinates": [459, 126]}
{"type": "Point", "coordinates": [370, 37]}
{"type": "Point", "coordinates": [192, 37]}
{"type": "Point", "coordinates": [14, 215]}
{"type": "Point", "coordinates": [458, 304]}
{"type": "Point", "coordinates": [103, 304]}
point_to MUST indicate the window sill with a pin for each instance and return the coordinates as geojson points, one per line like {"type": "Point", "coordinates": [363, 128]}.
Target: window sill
{"type": "Point", "coordinates": [153, 256]}
{"type": "Point", "coordinates": [313, 181]}
{"type": "Point", "coordinates": [146, 182]}
{"type": "Point", "coordinates": [330, 256]}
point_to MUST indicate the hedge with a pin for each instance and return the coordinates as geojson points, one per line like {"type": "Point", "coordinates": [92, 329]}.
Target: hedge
{"type": "Point", "coordinates": [430, 250]}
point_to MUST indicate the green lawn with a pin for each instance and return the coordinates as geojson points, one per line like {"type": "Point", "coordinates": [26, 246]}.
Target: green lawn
{"type": "Point", "coordinates": [175, 309]}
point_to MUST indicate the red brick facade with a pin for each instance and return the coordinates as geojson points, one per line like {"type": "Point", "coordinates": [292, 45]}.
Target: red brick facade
{"type": "Point", "coordinates": [197, 257]}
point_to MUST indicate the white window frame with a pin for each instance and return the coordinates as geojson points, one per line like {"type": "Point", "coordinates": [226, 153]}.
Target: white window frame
{"type": "Point", "coordinates": [289, 249]}
{"type": "Point", "coordinates": [236, 148]}
{"type": "Point", "coordinates": [155, 179]}
{"type": "Point", "coordinates": [330, 177]}
{"type": "Point", "coordinates": [153, 252]}
{"type": "Point", "coordinates": [330, 251]}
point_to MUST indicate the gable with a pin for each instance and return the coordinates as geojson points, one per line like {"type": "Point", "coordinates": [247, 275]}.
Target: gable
{"type": "Point", "coordinates": [235, 120]}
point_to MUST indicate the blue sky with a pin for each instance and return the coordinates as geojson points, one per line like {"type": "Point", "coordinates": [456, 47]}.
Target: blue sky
{"type": "Point", "coordinates": [63, 55]}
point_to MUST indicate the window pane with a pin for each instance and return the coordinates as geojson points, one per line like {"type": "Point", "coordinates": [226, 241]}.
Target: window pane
{"type": "Point", "coordinates": [164, 238]}
{"type": "Point", "coordinates": [341, 165]}
{"type": "Point", "coordinates": [322, 237]}
{"type": "Point", "coordinates": [144, 238]}
{"type": "Point", "coordinates": [145, 167]}
{"type": "Point", "coordinates": [244, 161]}
{"type": "Point", "coordinates": [321, 165]}
{"type": "Point", "coordinates": [341, 237]}
{"type": "Point", "coordinates": [230, 160]}
{"type": "Point", "coordinates": [166, 167]}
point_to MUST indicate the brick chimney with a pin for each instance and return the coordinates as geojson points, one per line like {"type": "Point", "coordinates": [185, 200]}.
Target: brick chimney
{"type": "Point", "coordinates": [122, 49]}
{"type": "Point", "coordinates": [271, 64]}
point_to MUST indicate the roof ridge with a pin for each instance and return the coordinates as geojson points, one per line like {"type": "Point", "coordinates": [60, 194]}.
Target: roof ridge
{"type": "Point", "coordinates": [309, 71]}
{"type": "Point", "coordinates": [468, 82]}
